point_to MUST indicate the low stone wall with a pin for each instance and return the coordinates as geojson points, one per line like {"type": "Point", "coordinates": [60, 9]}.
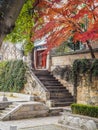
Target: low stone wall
{"type": "Point", "coordinates": [78, 122]}
{"type": "Point", "coordinates": [87, 92]}
{"type": "Point", "coordinates": [68, 59]}
{"type": "Point", "coordinates": [27, 110]}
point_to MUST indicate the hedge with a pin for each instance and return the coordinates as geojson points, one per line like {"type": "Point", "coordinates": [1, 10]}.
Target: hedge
{"type": "Point", "coordinates": [87, 110]}
{"type": "Point", "coordinates": [12, 75]}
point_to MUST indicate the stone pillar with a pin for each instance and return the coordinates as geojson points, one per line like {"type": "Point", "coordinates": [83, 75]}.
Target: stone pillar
{"type": "Point", "coordinates": [13, 127]}
{"type": "Point", "coordinates": [31, 98]}
{"type": "Point", "coordinates": [4, 98]}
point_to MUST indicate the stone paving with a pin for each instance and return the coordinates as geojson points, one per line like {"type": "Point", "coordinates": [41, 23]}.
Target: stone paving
{"type": "Point", "coordinates": [5, 125]}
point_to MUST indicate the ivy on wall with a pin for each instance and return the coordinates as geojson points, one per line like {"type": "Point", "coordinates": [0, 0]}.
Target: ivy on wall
{"type": "Point", "coordinates": [23, 26]}
{"type": "Point", "coordinates": [84, 66]}
{"type": "Point", "coordinates": [12, 75]}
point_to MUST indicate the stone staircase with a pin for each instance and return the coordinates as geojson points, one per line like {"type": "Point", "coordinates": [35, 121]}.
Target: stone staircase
{"type": "Point", "coordinates": [6, 111]}
{"type": "Point", "coordinates": [24, 110]}
{"type": "Point", "coordinates": [59, 95]}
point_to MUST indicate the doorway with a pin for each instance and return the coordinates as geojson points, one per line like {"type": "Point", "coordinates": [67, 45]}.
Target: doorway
{"type": "Point", "coordinates": [40, 58]}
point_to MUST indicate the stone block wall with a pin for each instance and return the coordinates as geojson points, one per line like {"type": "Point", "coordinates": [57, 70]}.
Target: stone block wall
{"type": "Point", "coordinates": [62, 74]}
{"type": "Point", "coordinates": [10, 51]}
{"type": "Point", "coordinates": [87, 92]}
{"type": "Point", "coordinates": [27, 110]}
{"type": "Point", "coordinates": [68, 59]}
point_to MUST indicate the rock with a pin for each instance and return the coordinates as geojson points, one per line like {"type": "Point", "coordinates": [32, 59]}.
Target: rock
{"type": "Point", "coordinates": [89, 125]}
{"type": "Point", "coordinates": [75, 122]}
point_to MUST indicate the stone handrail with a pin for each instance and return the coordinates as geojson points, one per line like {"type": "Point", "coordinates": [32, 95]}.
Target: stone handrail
{"type": "Point", "coordinates": [25, 110]}
{"type": "Point", "coordinates": [33, 75]}
{"type": "Point", "coordinates": [9, 114]}
{"type": "Point", "coordinates": [43, 93]}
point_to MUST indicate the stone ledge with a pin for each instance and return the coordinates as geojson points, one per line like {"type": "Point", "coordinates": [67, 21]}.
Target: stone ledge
{"type": "Point", "coordinates": [74, 52]}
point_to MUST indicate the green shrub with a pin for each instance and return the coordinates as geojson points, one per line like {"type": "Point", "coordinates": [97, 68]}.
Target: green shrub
{"type": "Point", "coordinates": [2, 65]}
{"type": "Point", "coordinates": [12, 75]}
{"type": "Point", "coordinates": [87, 110]}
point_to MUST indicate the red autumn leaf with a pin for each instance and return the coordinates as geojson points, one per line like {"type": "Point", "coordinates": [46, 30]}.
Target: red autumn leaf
{"type": "Point", "coordinates": [75, 18]}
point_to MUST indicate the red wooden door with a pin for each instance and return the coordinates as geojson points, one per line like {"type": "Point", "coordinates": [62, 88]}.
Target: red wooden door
{"type": "Point", "coordinates": [41, 59]}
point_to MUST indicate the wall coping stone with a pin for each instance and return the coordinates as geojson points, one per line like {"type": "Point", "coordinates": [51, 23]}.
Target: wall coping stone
{"type": "Point", "coordinates": [23, 97]}
{"type": "Point", "coordinates": [74, 52]}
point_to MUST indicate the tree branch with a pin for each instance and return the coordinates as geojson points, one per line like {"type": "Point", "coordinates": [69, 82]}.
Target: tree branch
{"type": "Point", "coordinates": [10, 10]}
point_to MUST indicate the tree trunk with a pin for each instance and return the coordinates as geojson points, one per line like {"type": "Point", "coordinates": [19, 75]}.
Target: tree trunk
{"type": "Point", "coordinates": [10, 10]}
{"type": "Point", "coordinates": [91, 50]}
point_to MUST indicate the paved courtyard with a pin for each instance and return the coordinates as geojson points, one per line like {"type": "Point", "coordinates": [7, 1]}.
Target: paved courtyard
{"type": "Point", "coordinates": [5, 125]}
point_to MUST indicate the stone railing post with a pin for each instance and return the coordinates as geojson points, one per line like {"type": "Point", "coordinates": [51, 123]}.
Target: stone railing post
{"type": "Point", "coordinates": [13, 127]}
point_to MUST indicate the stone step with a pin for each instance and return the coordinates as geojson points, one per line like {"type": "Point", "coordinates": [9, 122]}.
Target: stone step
{"type": "Point", "coordinates": [59, 95]}
{"type": "Point", "coordinates": [58, 90]}
{"type": "Point", "coordinates": [2, 114]}
{"type": "Point", "coordinates": [55, 87]}
{"type": "Point", "coordinates": [9, 108]}
{"type": "Point", "coordinates": [61, 104]}
{"type": "Point", "coordinates": [42, 73]}
{"type": "Point", "coordinates": [12, 106]}
{"type": "Point", "coordinates": [53, 96]}
{"type": "Point", "coordinates": [45, 76]}
{"type": "Point", "coordinates": [51, 83]}
{"type": "Point", "coordinates": [6, 111]}
{"type": "Point", "coordinates": [64, 100]}
{"type": "Point", "coordinates": [49, 78]}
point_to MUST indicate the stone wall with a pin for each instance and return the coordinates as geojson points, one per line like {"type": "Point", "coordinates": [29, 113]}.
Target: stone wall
{"type": "Point", "coordinates": [62, 74]}
{"type": "Point", "coordinates": [35, 87]}
{"type": "Point", "coordinates": [87, 92]}
{"type": "Point", "coordinates": [10, 51]}
{"type": "Point", "coordinates": [27, 110]}
{"type": "Point", "coordinates": [68, 59]}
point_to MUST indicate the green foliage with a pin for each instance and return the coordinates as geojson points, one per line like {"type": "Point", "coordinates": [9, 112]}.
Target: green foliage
{"type": "Point", "coordinates": [81, 66]}
{"type": "Point", "coordinates": [72, 45]}
{"type": "Point", "coordinates": [2, 65]}
{"type": "Point", "coordinates": [23, 26]}
{"type": "Point", "coordinates": [66, 73]}
{"type": "Point", "coordinates": [69, 45]}
{"type": "Point", "coordinates": [12, 76]}
{"type": "Point", "coordinates": [62, 48]}
{"type": "Point", "coordinates": [87, 110]}
{"type": "Point", "coordinates": [28, 48]}
{"type": "Point", "coordinates": [85, 66]}
{"type": "Point", "coordinates": [94, 68]}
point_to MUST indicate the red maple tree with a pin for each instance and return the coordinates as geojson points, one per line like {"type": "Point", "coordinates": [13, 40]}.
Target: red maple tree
{"type": "Point", "coordinates": [61, 20]}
